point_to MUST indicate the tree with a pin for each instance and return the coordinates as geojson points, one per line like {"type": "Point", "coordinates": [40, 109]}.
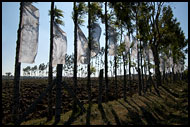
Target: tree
{"type": "Point", "coordinates": [16, 95]}
{"type": "Point", "coordinates": [121, 52]}
{"type": "Point", "coordinates": [123, 12]}
{"type": "Point", "coordinates": [34, 69]}
{"type": "Point", "coordinates": [27, 69]}
{"type": "Point", "coordinates": [155, 14]}
{"type": "Point", "coordinates": [106, 50]}
{"type": "Point", "coordinates": [92, 70]}
{"type": "Point", "coordinates": [41, 68]}
{"type": "Point", "coordinates": [57, 15]}
{"type": "Point", "coordinates": [8, 74]}
{"type": "Point", "coordinates": [24, 71]}
{"type": "Point", "coordinates": [172, 37]}
{"type": "Point", "coordinates": [78, 15]}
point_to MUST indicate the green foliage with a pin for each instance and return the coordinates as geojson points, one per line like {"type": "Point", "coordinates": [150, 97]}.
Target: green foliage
{"type": "Point", "coordinates": [92, 70]}
{"type": "Point", "coordinates": [80, 10]}
{"type": "Point", "coordinates": [58, 14]}
{"type": "Point", "coordinates": [96, 11]}
{"type": "Point", "coordinates": [121, 49]}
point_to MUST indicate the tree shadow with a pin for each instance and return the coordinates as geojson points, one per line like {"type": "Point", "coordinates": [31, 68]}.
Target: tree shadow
{"type": "Point", "coordinates": [88, 114]}
{"type": "Point", "coordinates": [172, 93]}
{"type": "Point", "coordinates": [73, 117]}
{"type": "Point", "coordinates": [104, 118]}
{"type": "Point", "coordinates": [130, 104]}
{"type": "Point", "coordinates": [134, 116]}
{"type": "Point", "coordinates": [148, 116]}
{"type": "Point", "coordinates": [123, 105]}
{"type": "Point", "coordinates": [115, 115]}
{"type": "Point", "coordinates": [157, 111]}
{"type": "Point", "coordinates": [148, 99]}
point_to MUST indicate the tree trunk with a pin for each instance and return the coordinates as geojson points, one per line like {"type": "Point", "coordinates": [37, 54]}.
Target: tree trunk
{"type": "Point", "coordinates": [50, 76]}
{"type": "Point", "coordinates": [129, 67]}
{"type": "Point", "coordinates": [16, 95]}
{"type": "Point", "coordinates": [89, 45]}
{"type": "Point", "coordinates": [116, 88]}
{"type": "Point", "coordinates": [142, 68]}
{"type": "Point", "coordinates": [124, 84]}
{"type": "Point", "coordinates": [75, 56]}
{"type": "Point", "coordinates": [129, 71]}
{"type": "Point", "coordinates": [120, 44]}
{"type": "Point", "coordinates": [100, 88]}
{"type": "Point", "coordinates": [173, 75]}
{"type": "Point", "coordinates": [106, 48]}
{"type": "Point", "coordinates": [149, 73]}
{"type": "Point", "coordinates": [139, 73]}
{"type": "Point", "coordinates": [145, 76]}
{"type": "Point", "coordinates": [164, 74]}
{"type": "Point", "coordinates": [157, 65]}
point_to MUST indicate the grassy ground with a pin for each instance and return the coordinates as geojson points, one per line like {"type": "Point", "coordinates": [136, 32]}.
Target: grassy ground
{"type": "Point", "coordinates": [171, 108]}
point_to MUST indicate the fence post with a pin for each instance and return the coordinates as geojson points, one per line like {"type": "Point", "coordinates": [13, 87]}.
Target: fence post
{"type": "Point", "coordinates": [100, 87]}
{"type": "Point", "coordinates": [58, 93]}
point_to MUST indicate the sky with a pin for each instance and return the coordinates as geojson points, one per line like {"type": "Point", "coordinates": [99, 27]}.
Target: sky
{"type": "Point", "coordinates": [10, 23]}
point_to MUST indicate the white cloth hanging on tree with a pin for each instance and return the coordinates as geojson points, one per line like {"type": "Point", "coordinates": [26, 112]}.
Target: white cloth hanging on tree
{"type": "Point", "coordinates": [134, 48]}
{"type": "Point", "coordinates": [29, 33]}
{"type": "Point", "coordinates": [95, 34]}
{"type": "Point", "coordinates": [82, 44]}
{"type": "Point", "coordinates": [59, 45]}
{"type": "Point", "coordinates": [112, 37]}
{"type": "Point", "coordinates": [127, 43]}
{"type": "Point", "coordinates": [82, 47]}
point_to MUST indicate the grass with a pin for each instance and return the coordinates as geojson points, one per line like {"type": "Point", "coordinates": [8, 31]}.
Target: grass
{"type": "Point", "coordinates": [149, 109]}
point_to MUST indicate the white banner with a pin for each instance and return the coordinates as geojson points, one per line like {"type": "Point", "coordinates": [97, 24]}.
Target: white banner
{"type": "Point", "coordinates": [82, 47]}
{"type": "Point", "coordinates": [127, 43]}
{"type": "Point", "coordinates": [162, 64]}
{"type": "Point", "coordinates": [149, 54]}
{"type": "Point", "coordinates": [112, 37]}
{"type": "Point", "coordinates": [29, 33]}
{"type": "Point", "coordinates": [59, 45]}
{"type": "Point", "coordinates": [134, 49]}
{"type": "Point", "coordinates": [95, 34]}
{"type": "Point", "coordinates": [82, 44]}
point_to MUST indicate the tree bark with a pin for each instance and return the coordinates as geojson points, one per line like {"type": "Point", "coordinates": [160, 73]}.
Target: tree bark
{"type": "Point", "coordinates": [124, 84]}
{"type": "Point", "coordinates": [89, 45]}
{"type": "Point", "coordinates": [129, 67]}
{"type": "Point", "coordinates": [106, 48]}
{"type": "Point", "coordinates": [129, 71]}
{"type": "Point", "coordinates": [50, 75]}
{"type": "Point", "coordinates": [16, 96]}
{"type": "Point", "coordinates": [142, 68]}
{"type": "Point", "coordinates": [139, 73]}
{"type": "Point", "coordinates": [157, 65]}
{"type": "Point", "coordinates": [145, 76]}
{"type": "Point", "coordinates": [75, 56]}
{"type": "Point", "coordinates": [149, 73]}
{"type": "Point", "coordinates": [116, 88]}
